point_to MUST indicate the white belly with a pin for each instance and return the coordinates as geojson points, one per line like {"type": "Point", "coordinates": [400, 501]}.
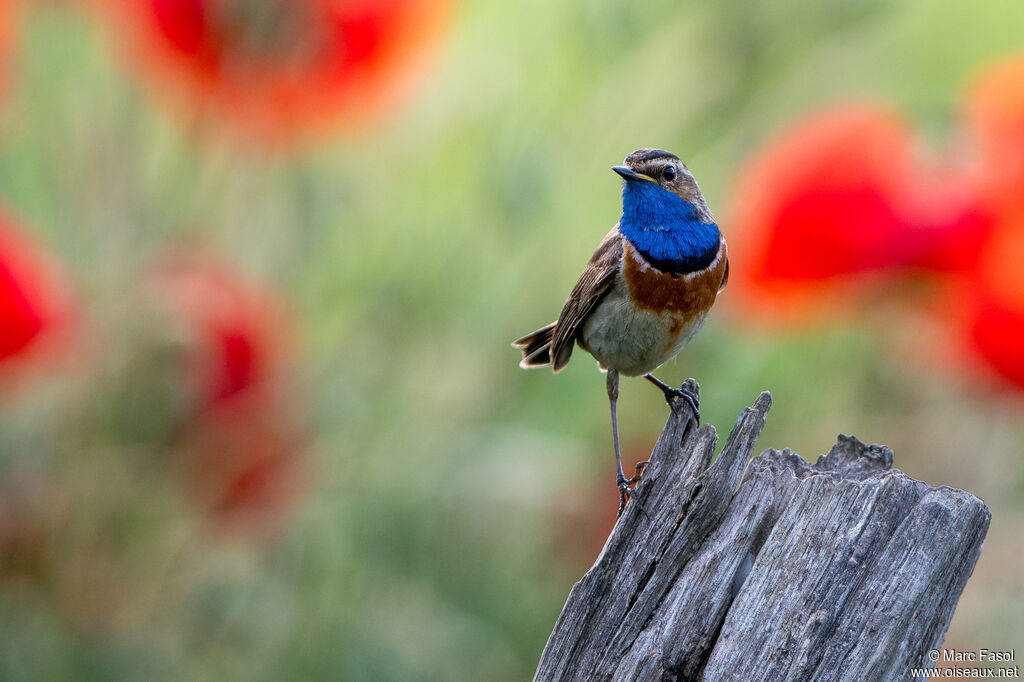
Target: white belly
{"type": "Point", "coordinates": [633, 341]}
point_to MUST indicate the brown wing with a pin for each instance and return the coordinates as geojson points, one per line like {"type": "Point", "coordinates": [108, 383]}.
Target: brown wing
{"type": "Point", "coordinates": [594, 283]}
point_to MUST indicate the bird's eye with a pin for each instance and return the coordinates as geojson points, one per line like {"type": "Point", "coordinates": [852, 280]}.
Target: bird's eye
{"type": "Point", "coordinates": [669, 174]}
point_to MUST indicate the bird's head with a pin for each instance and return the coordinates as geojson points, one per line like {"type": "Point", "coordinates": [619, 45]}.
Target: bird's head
{"type": "Point", "coordinates": [664, 170]}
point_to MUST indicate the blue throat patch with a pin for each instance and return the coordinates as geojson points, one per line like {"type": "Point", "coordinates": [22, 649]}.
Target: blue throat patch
{"type": "Point", "coordinates": [665, 229]}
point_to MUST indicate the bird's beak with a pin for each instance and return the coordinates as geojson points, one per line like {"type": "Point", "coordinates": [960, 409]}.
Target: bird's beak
{"type": "Point", "coordinates": [630, 174]}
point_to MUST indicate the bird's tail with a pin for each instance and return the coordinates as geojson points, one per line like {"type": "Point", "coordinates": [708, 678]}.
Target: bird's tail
{"type": "Point", "coordinates": [536, 347]}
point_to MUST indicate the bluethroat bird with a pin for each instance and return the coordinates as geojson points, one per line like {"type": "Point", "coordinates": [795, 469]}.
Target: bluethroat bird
{"type": "Point", "coordinates": [646, 290]}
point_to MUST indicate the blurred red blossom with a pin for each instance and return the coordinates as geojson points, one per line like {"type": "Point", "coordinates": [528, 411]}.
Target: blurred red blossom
{"type": "Point", "coordinates": [247, 461]}
{"type": "Point", "coordinates": [242, 439]}
{"type": "Point", "coordinates": [237, 334]}
{"type": "Point", "coordinates": [992, 288]}
{"type": "Point", "coordinates": [35, 308]}
{"type": "Point", "coordinates": [275, 70]}
{"type": "Point", "coordinates": [994, 119]}
{"type": "Point", "coordinates": [840, 195]}
{"type": "Point", "coordinates": [994, 296]}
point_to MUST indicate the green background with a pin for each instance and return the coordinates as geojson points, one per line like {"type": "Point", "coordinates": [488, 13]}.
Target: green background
{"type": "Point", "coordinates": [454, 499]}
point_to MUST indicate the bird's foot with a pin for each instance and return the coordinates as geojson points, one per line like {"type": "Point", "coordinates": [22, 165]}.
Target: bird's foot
{"type": "Point", "coordinates": [638, 474]}
{"type": "Point", "coordinates": [687, 394]}
{"type": "Point", "coordinates": [625, 491]}
{"type": "Point", "coordinates": [689, 391]}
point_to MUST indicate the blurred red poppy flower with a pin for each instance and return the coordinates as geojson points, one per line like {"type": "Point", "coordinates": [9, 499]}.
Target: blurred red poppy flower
{"type": "Point", "coordinates": [277, 69]}
{"type": "Point", "coordinates": [35, 309]}
{"type": "Point", "coordinates": [840, 195]}
{"type": "Point", "coordinates": [994, 118]}
{"type": "Point", "coordinates": [996, 329]}
{"type": "Point", "coordinates": [241, 440]}
{"type": "Point", "coordinates": [993, 293]}
{"type": "Point", "coordinates": [994, 296]}
{"type": "Point", "coordinates": [236, 333]}
{"type": "Point", "coordinates": [247, 461]}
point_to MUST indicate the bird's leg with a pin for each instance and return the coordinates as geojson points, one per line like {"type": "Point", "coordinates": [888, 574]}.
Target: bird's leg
{"type": "Point", "coordinates": [671, 393]}
{"type": "Point", "coordinates": [621, 481]}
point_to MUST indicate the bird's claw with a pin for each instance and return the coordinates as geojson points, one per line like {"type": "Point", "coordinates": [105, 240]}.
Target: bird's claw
{"type": "Point", "coordinates": [625, 491]}
{"type": "Point", "coordinates": [638, 474]}
{"type": "Point", "coordinates": [689, 396]}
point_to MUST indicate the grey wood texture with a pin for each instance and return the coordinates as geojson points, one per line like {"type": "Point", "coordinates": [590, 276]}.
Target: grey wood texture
{"type": "Point", "coordinates": [768, 569]}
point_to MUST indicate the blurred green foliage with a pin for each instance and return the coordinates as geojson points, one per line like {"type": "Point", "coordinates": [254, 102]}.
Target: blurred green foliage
{"type": "Point", "coordinates": [453, 498]}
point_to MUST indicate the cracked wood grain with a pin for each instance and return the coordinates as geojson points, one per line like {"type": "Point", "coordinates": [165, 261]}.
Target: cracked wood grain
{"type": "Point", "coordinates": [768, 569]}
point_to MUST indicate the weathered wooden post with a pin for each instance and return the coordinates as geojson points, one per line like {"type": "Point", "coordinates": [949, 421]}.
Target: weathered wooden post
{"type": "Point", "coordinates": [769, 569]}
